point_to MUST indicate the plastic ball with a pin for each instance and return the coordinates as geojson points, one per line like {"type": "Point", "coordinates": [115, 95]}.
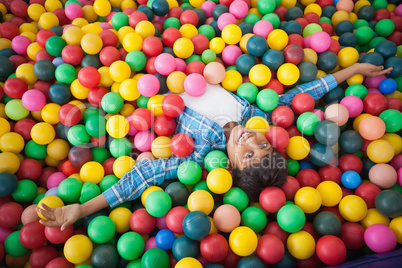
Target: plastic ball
{"type": "Point", "coordinates": [372, 128]}
{"type": "Point", "coordinates": [337, 113]}
{"type": "Point", "coordinates": [353, 208]}
{"type": "Point", "coordinates": [196, 225]}
{"type": "Point", "coordinates": [195, 84]}
{"type": "Point", "coordinates": [380, 238]}
{"type": "Point", "coordinates": [298, 148]}
{"type": "Point", "coordinates": [15, 110]}
{"type": "Point", "coordinates": [308, 199]}
{"type": "Point", "coordinates": [219, 180]}
{"type": "Point", "coordinates": [183, 48]}
{"type": "Point", "coordinates": [291, 218]}
{"type": "Point", "coordinates": [351, 179]}
{"type": "Point", "coordinates": [354, 105]}
{"type": "Point", "coordinates": [8, 184]}
{"type": "Point", "coordinates": [42, 133]}
{"type": "Point", "coordinates": [243, 241]}
{"type": "Point", "coordinates": [226, 218]}
{"type": "Point", "coordinates": [257, 45]}
{"type": "Point", "coordinates": [158, 203]}
{"type": "Point", "coordinates": [155, 257]}
{"type": "Point", "coordinates": [301, 245]}
{"type": "Point", "coordinates": [383, 175]}
{"type": "Point", "coordinates": [331, 193]}
{"type": "Point", "coordinates": [380, 151]}
{"type": "Point", "coordinates": [331, 250]}
{"type": "Point", "coordinates": [278, 39]}
{"type": "Point", "coordinates": [182, 145]}
{"type": "Point", "coordinates": [130, 245]}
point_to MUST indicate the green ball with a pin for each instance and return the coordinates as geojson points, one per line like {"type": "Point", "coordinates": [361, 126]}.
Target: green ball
{"type": "Point", "coordinates": [385, 27]}
{"type": "Point", "coordinates": [357, 90]}
{"type": "Point", "coordinates": [13, 246]}
{"type": "Point", "coordinates": [155, 257]}
{"type": "Point", "coordinates": [26, 191]}
{"type": "Point", "coordinates": [172, 22]}
{"type": "Point", "coordinates": [231, 67]}
{"type": "Point", "coordinates": [267, 99]}
{"type": "Point", "coordinates": [193, 58]}
{"type": "Point", "coordinates": [311, 28]}
{"type": "Point", "coordinates": [392, 119]}
{"type": "Point", "coordinates": [112, 102]}
{"type": "Point", "coordinates": [291, 218]}
{"type": "Point", "coordinates": [77, 135]}
{"type": "Point", "coordinates": [35, 151]}
{"type": "Point", "coordinates": [325, 19]}
{"type": "Point", "coordinates": [120, 147]}
{"type": "Point", "coordinates": [398, 81]}
{"type": "Point", "coordinates": [293, 167]}
{"type": "Point", "coordinates": [65, 73]}
{"type": "Point", "coordinates": [100, 154]}
{"type": "Point", "coordinates": [189, 172]}
{"type": "Point", "coordinates": [88, 191]}
{"type": "Point", "coordinates": [380, 4]}
{"type": "Point", "coordinates": [215, 159]}
{"type": "Point", "coordinates": [207, 30]}
{"type": "Point", "coordinates": [158, 203]}
{"type": "Point", "coordinates": [202, 185]}
{"type": "Point", "coordinates": [119, 20]}
{"type": "Point", "coordinates": [134, 264]}
{"type": "Point", "coordinates": [273, 19]}
{"type": "Point", "coordinates": [252, 18]}
{"type": "Point", "coordinates": [360, 23]}
{"type": "Point", "coordinates": [130, 246]}
{"type": "Point", "coordinates": [208, 56]}
{"type": "Point", "coordinates": [54, 45]}
{"type": "Point", "coordinates": [91, 111]}
{"type": "Point", "coordinates": [72, 1]}
{"type": "Point", "coordinates": [399, 51]}
{"type": "Point", "coordinates": [107, 182]}
{"type": "Point", "coordinates": [136, 60]}
{"type": "Point", "coordinates": [266, 6]}
{"type": "Point", "coordinates": [142, 101]}
{"type": "Point", "coordinates": [364, 35]}
{"type": "Point", "coordinates": [69, 190]}
{"type": "Point", "coordinates": [15, 110]}
{"type": "Point", "coordinates": [375, 41]}
{"type": "Point", "coordinates": [101, 229]}
{"type": "Point", "coordinates": [248, 91]}
{"type": "Point", "coordinates": [307, 122]}
{"type": "Point", "coordinates": [38, 198]}
{"type": "Point", "coordinates": [254, 218]}
{"type": "Point", "coordinates": [237, 198]}
{"type": "Point", "coordinates": [96, 126]}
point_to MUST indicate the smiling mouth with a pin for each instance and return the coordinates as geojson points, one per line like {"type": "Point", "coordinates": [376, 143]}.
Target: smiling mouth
{"type": "Point", "coordinates": [243, 136]}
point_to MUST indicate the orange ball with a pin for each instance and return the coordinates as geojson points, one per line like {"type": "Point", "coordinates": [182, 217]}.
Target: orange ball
{"type": "Point", "coordinates": [337, 113]}
{"type": "Point", "coordinates": [372, 128]}
{"type": "Point", "coordinates": [345, 5]}
{"type": "Point", "coordinates": [227, 218]}
{"type": "Point", "coordinates": [214, 73]}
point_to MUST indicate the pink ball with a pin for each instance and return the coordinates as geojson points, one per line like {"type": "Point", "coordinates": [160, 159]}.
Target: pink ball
{"type": "Point", "coordinates": [320, 114]}
{"type": "Point", "coordinates": [320, 41]}
{"type": "Point", "coordinates": [73, 11]}
{"type": "Point", "coordinates": [4, 233]}
{"type": "Point", "coordinates": [33, 100]}
{"type": "Point", "coordinates": [374, 81]}
{"type": "Point", "coordinates": [105, 26]}
{"type": "Point", "coordinates": [165, 64]}
{"type": "Point", "coordinates": [353, 104]}
{"type": "Point", "coordinates": [161, 223]}
{"type": "Point", "coordinates": [160, 19]}
{"type": "Point", "coordinates": [400, 176]}
{"type": "Point", "coordinates": [262, 27]}
{"type": "Point", "coordinates": [398, 10]}
{"type": "Point", "coordinates": [195, 84]}
{"type": "Point", "coordinates": [226, 19]}
{"type": "Point", "coordinates": [373, 90]}
{"type": "Point", "coordinates": [109, 17]}
{"type": "Point", "coordinates": [143, 140]}
{"type": "Point", "coordinates": [383, 175]}
{"type": "Point", "coordinates": [380, 238]}
{"type": "Point", "coordinates": [148, 85]}
{"type": "Point", "coordinates": [132, 131]}
{"type": "Point", "coordinates": [55, 179]}
{"type": "Point", "coordinates": [239, 9]}
{"type": "Point", "coordinates": [230, 54]}
{"type": "Point", "coordinates": [208, 6]}
{"type": "Point", "coordinates": [20, 44]}
{"type": "Point", "coordinates": [307, 40]}
{"type": "Point", "coordinates": [180, 65]}
{"type": "Point", "coordinates": [150, 243]}
{"type": "Point", "coordinates": [337, 113]}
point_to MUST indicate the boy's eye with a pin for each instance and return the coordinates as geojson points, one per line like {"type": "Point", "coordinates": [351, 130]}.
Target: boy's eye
{"type": "Point", "coordinates": [265, 145]}
{"type": "Point", "coordinates": [248, 155]}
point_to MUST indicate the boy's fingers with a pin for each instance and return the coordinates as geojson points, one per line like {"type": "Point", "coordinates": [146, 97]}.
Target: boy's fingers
{"type": "Point", "coordinates": [48, 215]}
{"type": "Point", "coordinates": [49, 223]}
{"type": "Point", "coordinates": [65, 225]}
{"type": "Point", "coordinates": [46, 207]}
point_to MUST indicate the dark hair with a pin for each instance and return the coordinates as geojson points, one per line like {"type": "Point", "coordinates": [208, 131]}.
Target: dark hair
{"type": "Point", "coordinates": [270, 171]}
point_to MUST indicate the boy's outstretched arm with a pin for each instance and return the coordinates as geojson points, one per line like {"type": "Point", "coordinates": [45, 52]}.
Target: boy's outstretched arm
{"type": "Point", "coordinates": [365, 69]}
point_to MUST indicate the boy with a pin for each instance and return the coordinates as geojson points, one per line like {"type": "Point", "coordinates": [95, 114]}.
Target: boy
{"type": "Point", "coordinates": [215, 121]}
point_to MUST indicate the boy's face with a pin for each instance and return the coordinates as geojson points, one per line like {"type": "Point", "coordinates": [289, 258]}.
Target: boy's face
{"type": "Point", "coordinates": [246, 146]}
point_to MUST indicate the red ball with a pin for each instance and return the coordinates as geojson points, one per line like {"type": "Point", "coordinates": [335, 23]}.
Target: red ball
{"type": "Point", "coordinates": [46, 172]}
{"type": "Point", "coordinates": [200, 42]}
{"type": "Point", "coordinates": [278, 137]}
{"type": "Point", "coordinates": [123, 53]}
{"type": "Point", "coordinates": [281, 11]}
{"type": "Point", "coordinates": [43, 86]}
{"type": "Point", "coordinates": [214, 248]}
{"type": "Point", "coordinates": [381, 14]}
{"type": "Point", "coordinates": [350, 162]}
{"type": "Point", "coordinates": [174, 219]}
{"type": "Point", "coordinates": [231, 259]}
{"type": "Point", "coordinates": [273, 228]}
{"type": "Point", "coordinates": [10, 215]}
{"type": "Point", "coordinates": [290, 187]}
{"type": "Point", "coordinates": [346, 191]}
{"type": "Point", "coordinates": [182, 145]}
{"type": "Point", "coordinates": [9, 30]}
{"type": "Point", "coordinates": [275, 85]}
{"type": "Point", "coordinates": [195, 67]}
{"type": "Point", "coordinates": [303, 22]}
{"type": "Point", "coordinates": [324, 3]}
{"type": "Point", "coordinates": [311, 262]}
{"type": "Point", "coordinates": [326, 27]}
{"type": "Point", "coordinates": [60, 262]}
{"type": "Point", "coordinates": [70, 115]}
{"type": "Point", "coordinates": [189, 17]}
{"type": "Point", "coordinates": [270, 249]}
{"type": "Point", "coordinates": [23, 127]}
{"type": "Point", "coordinates": [40, 257]}
{"type": "Point", "coordinates": [136, 17]}
{"type": "Point", "coordinates": [398, 23]}
{"type": "Point", "coordinates": [293, 54]}
{"type": "Point", "coordinates": [150, 66]}
{"type": "Point", "coordinates": [331, 250]}
{"type": "Point", "coordinates": [141, 222]}
{"type": "Point", "coordinates": [312, 17]}
{"type": "Point", "coordinates": [109, 38]}
{"type": "Point", "coordinates": [309, 228]}
{"type": "Point", "coordinates": [142, 119]}
{"type": "Point", "coordinates": [335, 46]}
{"type": "Point", "coordinates": [330, 173]}
{"type": "Point", "coordinates": [173, 105]}
{"type": "Point", "coordinates": [293, 131]}
{"type": "Point", "coordinates": [69, 169]}
{"type": "Point", "coordinates": [57, 236]}
{"type": "Point", "coordinates": [368, 192]}
{"type": "Point", "coordinates": [32, 235]}
{"type": "Point", "coordinates": [303, 102]}
{"type": "Point", "coordinates": [2, 252]}
{"type": "Point", "coordinates": [89, 77]}
{"type": "Point", "coordinates": [375, 104]}
{"type": "Point", "coordinates": [61, 15]}
{"type": "Point", "coordinates": [308, 177]}
{"type": "Point", "coordinates": [175, 12]}
{"type": "Point", "coordinates": [152, 46]}
{"type": "Point", "coordinates": [19, 8]}
{"type": "Point", "coordinates": [108, 166]}
{"type": "Point", "coordinates": [79, 155]}
{"type": "Point", "coordinates": [170, 35]}
{"type": "Point", "coordinates": [42, 55]}
{"type": "Point", "coordinates": [43, 35]}
{"type": "Point", "coordinates": [72, 54]}
{"type": "Point", "coordinates": [272, 199]}
{"type": "Point", "coordinates": [30, 169]}
{"type": "Point", "coordinates": [396, 37]}
{"type": "Point", "coordinates": [164, 125]}
{"type": "Point", "coordinates": [95, 95]}
{"type": "Point", "coordinates": [352, 234]}
{"type": "Point", "coordinates": [108, 55]}
{"type": "Point", "coordinates": [15, 87]}
{"type": "Point", "coordinates": [296, 39]}
{"type": "Point", "coordinates": [17, 60]}
{"type": "Point", "coordinates": [394, 104]}
{"type": "Point", "coordinates": [282, 116]}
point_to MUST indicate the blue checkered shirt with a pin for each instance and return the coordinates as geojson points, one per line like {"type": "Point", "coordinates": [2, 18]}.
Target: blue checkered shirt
{"type": "Point", "coordinates": [207, 136]}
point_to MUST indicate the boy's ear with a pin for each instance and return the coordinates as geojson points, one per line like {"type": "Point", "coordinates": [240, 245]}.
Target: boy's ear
{"type": "Point", "coordinates": [229, 166]}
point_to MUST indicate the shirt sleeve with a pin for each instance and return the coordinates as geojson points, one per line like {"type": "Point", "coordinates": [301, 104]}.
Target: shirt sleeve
{"type": "Point", "coordinates": [316, 89]}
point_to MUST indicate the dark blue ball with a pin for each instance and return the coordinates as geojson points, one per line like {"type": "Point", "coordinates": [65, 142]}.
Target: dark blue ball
{"type": "Point", "coordinates": [350, 141]}
{"type": "Point", "coordinates": [293, 27]}
{"type": "Point", "coordinates": [147, 11]}
{"type": "Point", "coordinates": [250, 262]}
{"type": "Point", "coordinates": [246, 27]}
{"type": "Point", "coordinates": [327, 61]}
{"type": "Point", "coordinates": [44, 70]}
{"type": "Point", "coordinates": [59, 93]}
{"type": "Point", "coordinates": [303, 164]}
{"type": "Point", "coordinates": [327, 132]}
{"type": "Point", "coordinates": [8, 184]}
{"type": "Point", "coordinates": [219, 10]}
{"type": "Point", "coordinates": [386, 49]}
{"type": "Point", "coordinates": [396, 63]}
{"type": "Point", "coordinates": [244, 63]}
{"type": "Point", "coordinates": [373, 58]}
{"type": "Point", "coordinates": [273, 58]}
{"type": "Point", "coordinates": [160, 7]}
{"type": "Point", "coordinates": [185, 247]}
{"type": "Point", "coordinates": [321, 155]}
{"type": "Point", "coordinates": [196, 225]}
{"type": "Point", "coordinates": [257, 45]}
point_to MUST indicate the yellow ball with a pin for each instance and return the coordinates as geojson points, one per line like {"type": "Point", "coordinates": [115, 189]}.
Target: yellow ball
{"type": "Point", "coordinates": [331, 193]}
{"type": "Point", "coordinates": [175, 81]}
{"type": "Point", "coordinates": [232, 80]}
{"type": "Point", "coordinates": [278, 39]}
{"type": "Point", "coordinates": [396, 227]}
{"type": "Point", "coordinates": [50, 113]}
{"type": "Point", "coordinates": [374, 217]}
{"type": "Point", "coordinates": [288, 3]}
{"type": "Point", "coordinates": [33, 49]}
{"type": "Point", "coordinates": [48, 20]}
{"type": "Point", "coordinates": [51, 162]}
{"type": "Point", "coordinates": [121, 218]}
{"type": "Point", "coordinates": [394, 139]}
{"type": "Point", "coordinates": [73, 35]}
{"type": "Point", "coordinates": [132, 41]}
{"type": "Point", "coordinates": [201, 200]}
{"type": "Point", "coordinates": [310, 55]}
{"type": "Point", "coordinates": [78, 249]}
{"type": "Point", "coordinates": [26, 73]}
{"type": "Point", "coordinates": [52, 5]}
{"type": "Point", "coordinates": [320, 73]}
{"type": "Point", "coordinates": [243, 241]}
{"type": "Point", "coordinates": [259, 124]}
{"type": "Point", "coordinates": [188, 31]}
{"type": "Point", "coordinates": [11, 142]}
{"type": "Point", "coordinates": [353, 208]}
{"type": "Point", "coordinates": [301, 245]}
{"type": "Point", "coordinates": [145, 28]}
{"type": "Point", "coordinates": [298, 148]}
{"type": "Point", "coordinates": [155, 105]}
{"type": "Point", "coordinates": [360, 4]}
{"type": "Point", "coordinates": [308, 199]}
{"type": "Point", "coordinates": [43, 133]}
{"type": "Point", "coordinates": [58, 149]}
{"type": "Point", "coordinates": [50, 201]}
{"type": "Point", "coordinates": [92, 172]}
{"type": "Point", "coordinates": [9, 162]}
{"type": "Point", "coordinates": [92, 28]}
{"type": "Point", "coordinates": [214, 229]}
{"type": "Point", "coordinates": [28, 28]}
{"type": "Point", "coordinates": [116, 3]}
{"type": "Point", "coordinates": [127, 4]}
{"type": "Point", "coordinates": [356, 79]}
{"type": "Point", "coordinates": [4, 126]}
{"type": "Point", "coordinates": [119, 71]}
{"type": "Point", "coordinates": [5, 43]}
{"type": "Point", "coordinates": [123, 31]}
{"type": "Point", "coordinates": [380, 151]}
{"type": "Point", "coordinates": [89, 13]}
{"type": "Point", "coordinates": [219, 181]}
{"type": "Point", "coordinates": [347, 56]}
{"type": "Point", "coordinates": [80, 22]}
{"type": "Point", "coordinates": [358, 119]}
{"type": "Point", "coordinates": [160, 147]}
{"type": "Point", "coordinates": [288, 74]}
{"type": "Point", "coordinates": [106, 80]}
{"type": "Point", "coordinates": [217, 45]}
{"type": "Point", "coordinates": [147, 191]}
{"type": "Point", "coordinates": [122, 165]}
{"type": "Point", "coordinates": [78, 90]}
{"type": "Point", "coordinates": [117, 126]}
{"type": "Point", "coordinates": [243, 42]}
{"type": "Point", "coordinates": [339, 16]}
{"type": "Point", "coordinates": [231, 34]}
{"type": "Point", "coordinates": [260, 75]}
{"type": "Point", "coordinates": [102, 7]}
{"type": "Point", "coordinates": [188, 262]}
{"type": "Point", "coordinates": [315, 8]}
{"type": "Point", "coordinates": [91, 43]}
{"type": "Point", "coordinates": [128, 90]}
{"type": "Point", "coordinates": [183, 48]}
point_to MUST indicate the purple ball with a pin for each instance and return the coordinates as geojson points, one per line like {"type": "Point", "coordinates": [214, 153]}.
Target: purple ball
{"type": "Point", "coordinates": [380, 238]}
{"type": "Point", "coordinates": [52, 191]}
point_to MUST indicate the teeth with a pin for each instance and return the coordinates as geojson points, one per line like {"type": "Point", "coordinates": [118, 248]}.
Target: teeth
{"type": "Point", "coordinates": [243, 135]}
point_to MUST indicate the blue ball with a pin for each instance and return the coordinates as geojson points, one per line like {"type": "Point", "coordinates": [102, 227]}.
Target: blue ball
{"type": "Point", "coordinates": [160, 7]}
{"type": "Point", "coordinates": [196, 225]}
{"type": "Point", "coordinates": [257, 45]}
{"type": "Point", "coordinates": [60, 93]}
{"type": "Point", "coordinates": [321, 155]}
{"type": "Point", "coordinates": [185, 247]}
{"type": "Point", "coordinates": [52, 192]}
{"type": "Point", "coordinates": [388, 86]}
{"type": "Point", "coordinates": [273, 58]}
{"type": "Point", "coordinates": [164, 239]}
{"type": "Point", "coordinates": [303, 164]}
{"type": "Point", "coordinates": [250, 262]}
{"type": "Point", "coordinates": [58, 61]}
{"type": "Point", "coordinates": [351, 179]}
{"type": "Point", "coordinates": [8, 184]}
{"type": "Point", "coordinates": [244, 63]}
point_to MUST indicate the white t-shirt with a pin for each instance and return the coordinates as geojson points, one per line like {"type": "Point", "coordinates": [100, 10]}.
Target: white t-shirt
{"type": "Point", "coordinates": [216, 103]}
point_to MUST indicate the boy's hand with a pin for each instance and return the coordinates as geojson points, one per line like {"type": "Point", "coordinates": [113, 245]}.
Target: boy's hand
{"type": "Point", "coordinates": [62, 216]}
{"type": "Point", "coordinates": [368, 69]}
